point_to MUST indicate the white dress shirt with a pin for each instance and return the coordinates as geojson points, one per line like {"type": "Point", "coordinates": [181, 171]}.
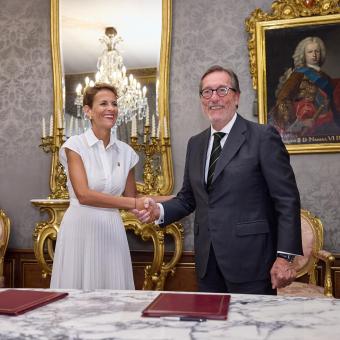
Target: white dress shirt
{"type": "Point", "coordinates": [226, 130]}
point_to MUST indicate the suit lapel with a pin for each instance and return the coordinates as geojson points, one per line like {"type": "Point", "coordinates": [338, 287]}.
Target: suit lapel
{"type": "Point", "coordinates": [204, 143]}
{"type": "Point", "coordinates": [233, 143]}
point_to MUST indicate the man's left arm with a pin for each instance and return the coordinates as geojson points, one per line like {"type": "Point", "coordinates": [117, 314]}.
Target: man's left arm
{"type": "Point", "coordinates": [283, 190]}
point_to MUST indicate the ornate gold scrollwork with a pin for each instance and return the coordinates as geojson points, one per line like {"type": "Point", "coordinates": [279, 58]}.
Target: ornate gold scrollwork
{"type": "Point", "coordinates": [155, 274]}
{"type": "Point", "coordinates": [284, 9]}
{"type": "Point", "coordinates": [176, 231]}
{"type": "Point", "coordinates": [45, 232]}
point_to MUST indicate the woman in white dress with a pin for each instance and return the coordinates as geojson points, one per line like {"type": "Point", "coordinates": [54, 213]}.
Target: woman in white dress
{"type": "Point", "coordinates": [92, 251]}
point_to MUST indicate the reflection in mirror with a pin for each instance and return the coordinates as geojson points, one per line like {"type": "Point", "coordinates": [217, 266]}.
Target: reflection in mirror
{"type": "Point", "coordinates": [89, 55]}
{"type": "Point", "coordinates": [145, 28]}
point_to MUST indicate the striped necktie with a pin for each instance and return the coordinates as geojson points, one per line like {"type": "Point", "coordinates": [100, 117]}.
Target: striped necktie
{"type": "Point", "coordinates": [215, 154]}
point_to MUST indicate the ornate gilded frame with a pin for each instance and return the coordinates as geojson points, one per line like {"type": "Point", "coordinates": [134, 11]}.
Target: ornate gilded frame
{"type": "Point", "coordinates": [288, 18]}
{"type": "Point", "coordinates": [166, 181]}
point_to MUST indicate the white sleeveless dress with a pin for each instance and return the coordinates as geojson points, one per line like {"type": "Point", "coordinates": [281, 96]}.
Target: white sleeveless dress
{"type": "Point", "coordinates": [92, 251]}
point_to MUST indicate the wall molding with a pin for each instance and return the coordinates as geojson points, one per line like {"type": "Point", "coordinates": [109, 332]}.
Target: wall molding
{"type": "Point", "coordinates": [21, 270]}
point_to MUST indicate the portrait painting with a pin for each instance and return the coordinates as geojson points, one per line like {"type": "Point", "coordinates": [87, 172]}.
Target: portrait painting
{"type": "Point", "coordinates": [298, 81]}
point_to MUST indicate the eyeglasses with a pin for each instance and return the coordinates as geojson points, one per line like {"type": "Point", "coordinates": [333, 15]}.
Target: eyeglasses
{"type": "Point", "coordinates": [221, 91]}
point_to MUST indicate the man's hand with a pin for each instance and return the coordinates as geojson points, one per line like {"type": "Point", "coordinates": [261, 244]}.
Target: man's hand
{"type": "Point", "coordinates": [147, 210]}
{"type": "Point", "coordinates": [282, 273]}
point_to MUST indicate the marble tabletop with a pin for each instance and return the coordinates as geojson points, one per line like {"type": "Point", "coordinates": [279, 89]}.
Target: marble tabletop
{"type": "Point", "coordinates": [107, 314]}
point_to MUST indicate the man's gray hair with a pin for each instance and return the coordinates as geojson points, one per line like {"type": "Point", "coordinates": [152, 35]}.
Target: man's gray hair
{"type": "Point", "coordinates": [217, 68]}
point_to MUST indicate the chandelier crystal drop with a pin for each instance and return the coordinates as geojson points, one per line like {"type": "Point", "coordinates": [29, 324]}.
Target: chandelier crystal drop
{"type": "Point", "coordinates": [132, 99]}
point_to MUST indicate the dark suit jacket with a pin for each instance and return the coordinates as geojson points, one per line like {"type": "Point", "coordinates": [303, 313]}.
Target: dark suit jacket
{"type": "Point", "coordinates": [252, 208]}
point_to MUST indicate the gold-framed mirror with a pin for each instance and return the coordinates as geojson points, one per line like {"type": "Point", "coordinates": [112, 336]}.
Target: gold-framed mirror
{"type": "Point", "coordinates": [165, 168]}
{"type": "Point", "coordinates": [151, 143]}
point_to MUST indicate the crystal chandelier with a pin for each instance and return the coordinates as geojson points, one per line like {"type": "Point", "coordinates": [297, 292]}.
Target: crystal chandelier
{"type": "Point", "coordinates": [132, 100]}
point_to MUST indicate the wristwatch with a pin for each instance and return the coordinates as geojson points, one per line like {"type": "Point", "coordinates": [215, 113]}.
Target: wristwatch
{"type": "Point", "coordinates": [288, 257]}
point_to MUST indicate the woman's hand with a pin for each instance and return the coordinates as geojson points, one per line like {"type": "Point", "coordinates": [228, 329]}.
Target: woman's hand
{"type": "Point", "coordinates": [146, 210]}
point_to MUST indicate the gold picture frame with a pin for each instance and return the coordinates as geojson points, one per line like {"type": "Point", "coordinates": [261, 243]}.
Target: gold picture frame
{"type": "Point", "coordinates": [273, 39]}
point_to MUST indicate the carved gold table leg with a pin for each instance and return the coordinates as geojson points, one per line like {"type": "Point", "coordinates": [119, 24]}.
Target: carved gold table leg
{"type": "Point", "coordinates": [147, 231]}
{"type": "Point", "coordinates": [45, 233]}
{"type": "Point", "coordinates": [176, 231]}
{"type": "Point", "coordinates": [155, 274]}
{"type": "Point", "coordinates": [152, 271]}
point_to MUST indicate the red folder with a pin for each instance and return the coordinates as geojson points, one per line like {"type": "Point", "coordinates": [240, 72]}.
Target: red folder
{"type": "Point", "coordinates": [15, 302]}
{"type": "Point", "coordinates": [207, 306]}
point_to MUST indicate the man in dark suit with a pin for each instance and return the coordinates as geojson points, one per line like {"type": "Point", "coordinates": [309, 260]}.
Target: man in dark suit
{"type": "Point", "coordinates": [243, 190]}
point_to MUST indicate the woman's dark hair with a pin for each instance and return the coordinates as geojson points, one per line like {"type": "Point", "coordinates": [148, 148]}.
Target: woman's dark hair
{"type": "Point", "coordinates": [90, 92]}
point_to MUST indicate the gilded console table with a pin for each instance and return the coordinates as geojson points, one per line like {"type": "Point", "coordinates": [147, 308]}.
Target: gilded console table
{"type": "Point", "coordinates": [45, 234]}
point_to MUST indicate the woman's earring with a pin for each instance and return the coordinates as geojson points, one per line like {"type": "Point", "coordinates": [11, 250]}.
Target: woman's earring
{"type": "Point", "coordinates": [87, 116]}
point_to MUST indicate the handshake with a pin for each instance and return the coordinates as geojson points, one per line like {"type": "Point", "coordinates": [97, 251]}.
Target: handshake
{"type": "Point", "coordinates": [147, 210]}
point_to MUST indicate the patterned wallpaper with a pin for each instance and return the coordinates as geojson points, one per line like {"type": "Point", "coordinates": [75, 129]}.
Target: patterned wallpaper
{"type": "Point", "coordinates": [26, 95]}
{"type": "Point", "coordinates": [204, 33]}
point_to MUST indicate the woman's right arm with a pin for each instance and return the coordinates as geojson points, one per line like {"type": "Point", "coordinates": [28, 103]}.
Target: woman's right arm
{"type": "Point", "coordinates": [86, 196]}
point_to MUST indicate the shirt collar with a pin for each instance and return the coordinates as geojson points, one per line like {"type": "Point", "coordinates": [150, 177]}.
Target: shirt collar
{"type": "Point", "coordinates": [315, 67]}
{"type": "Point", "coordinates": [226, 129]}
{"type": "Point", "coordinates": [92, 139]}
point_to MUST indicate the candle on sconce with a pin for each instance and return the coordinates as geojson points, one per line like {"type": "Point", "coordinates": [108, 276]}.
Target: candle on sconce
{"type": "Point", "coordinates": [157, 86]}
{"type": "Point", "coordinates": [97, 77]}
{"type": "Point", "coordinates": [51, 126]}
{"type": "Point", "coordinates": [43, 127]}
{"type": "Point", "coordinates": [78, 89]}
{"type": "Point", "coordinates": [158, 129]}
{"type": "Point", "coordinates": [147, 117]}
{"type": "Point", "coordinates": [60, 120]}
{"type": "Point", "coordinates": [70, 127]}
{"type": "Point", "coordinates": [165, 128]}
{"type": "Point", "coordinates": [77, 126]}
{"type": "Point", "coordinates": [153, 130]}
{"type": "Point", "coordinates": [144, 91]}
{"type": "Point", "coordinates": [133, 127]}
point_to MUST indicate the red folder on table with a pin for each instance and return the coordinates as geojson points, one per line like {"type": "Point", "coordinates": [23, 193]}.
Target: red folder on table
{"type": "Point", "coordinates": [207, 306]}
{"type": "Point", "coordinates": [15, 302]}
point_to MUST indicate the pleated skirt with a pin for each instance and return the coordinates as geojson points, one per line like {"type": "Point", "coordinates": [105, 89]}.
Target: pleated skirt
{"type": "Point", "coordinates": [92, 251]}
